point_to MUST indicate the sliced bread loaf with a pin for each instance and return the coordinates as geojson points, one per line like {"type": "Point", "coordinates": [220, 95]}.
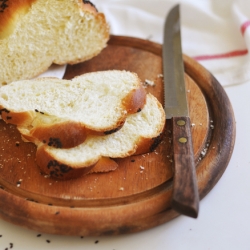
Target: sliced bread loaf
{"type": "Point", "coordinates": [140, 134]}
{"type": "Point", "coordinates": [36, 33]}
{"type": "Point", "coordinates": [61, 113]}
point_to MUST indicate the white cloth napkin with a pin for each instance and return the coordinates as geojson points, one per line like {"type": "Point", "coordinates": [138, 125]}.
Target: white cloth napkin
{"type": "Point", "coordinates": [215, 33]}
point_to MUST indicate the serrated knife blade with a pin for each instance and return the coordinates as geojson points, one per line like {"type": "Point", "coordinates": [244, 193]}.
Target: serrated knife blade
{"type": "Point", "coordinates": [185, 197]}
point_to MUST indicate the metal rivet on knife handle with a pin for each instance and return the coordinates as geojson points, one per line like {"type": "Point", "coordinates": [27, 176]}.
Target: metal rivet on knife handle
{"type": "Point", "coordinates": [181, 122]}
{"type": "Point", "coordinates": [182, 140]}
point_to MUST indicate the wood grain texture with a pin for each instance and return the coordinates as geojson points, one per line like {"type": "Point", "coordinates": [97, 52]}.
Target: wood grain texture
{"type": "Point", "coordinates": [222, 123]}
{"type": "Point", "coordinates": [185, 197]}
{"type": "Point", "coordinates": [137, 195]}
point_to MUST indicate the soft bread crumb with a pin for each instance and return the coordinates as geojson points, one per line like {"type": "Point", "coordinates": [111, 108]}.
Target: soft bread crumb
{"type": "Point", "coordinates": [35, 34]}
{"type": "Point", "coordinates": [150, 83]}
{"type": "Point", "coordinates": [93, 99]}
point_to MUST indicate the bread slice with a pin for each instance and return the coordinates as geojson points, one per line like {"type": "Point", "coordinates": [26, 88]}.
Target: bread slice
{"type": "Point", "coordinates": [140, 134]}
{"type": "Point", "coordinates": [36, 33]}
{"type": "Point", "coordinates": [61, 113]}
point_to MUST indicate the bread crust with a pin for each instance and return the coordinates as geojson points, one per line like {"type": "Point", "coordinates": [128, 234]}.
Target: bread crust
{"type": "Point", "coordinates": [56, 169]}
{"type": "Point", "coordinates": [63, 170]}
{"type": "Point", "coordinates": [60, 135]}
{"type": "Point", "coordinates": [135, 100]}
{"type": "Point", "coordinates": [147, 145]}
{"type": "Point", "coordinates": [104, 165]}
{"type": "Point", "coordinates": [60, 170]}
{"type": "Point", "coordinates": [10, 11]}
{"type": "Point", "coordinates": [17, 118]}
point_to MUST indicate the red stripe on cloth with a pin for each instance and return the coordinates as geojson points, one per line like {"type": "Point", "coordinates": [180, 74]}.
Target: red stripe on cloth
{"type": "Point", "coordinates": [244, 27]}
{"type": "Point", "coordinates": [223, 55]}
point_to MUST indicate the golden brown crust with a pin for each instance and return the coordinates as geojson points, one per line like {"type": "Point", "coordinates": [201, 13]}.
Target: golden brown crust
{"type": "Point", "coordinates": [46, 160]}
{"type": "Point", "coordinates": [56, 169]}
{"type": "Point", "coordinates": [17, 118]}
{"type": "Point", "coordinates": [59, 135]}
{"type": "Point", "coordinates": [61, 170]}
{"type": "Point", "coordinates": [147, 145]}
{"type": "Point", "coordinates": [65, 134]}
{"type": "Point", "coordinates": [10, 12]}
{"type": "Point", "coordinates": [135, 100]}
{"type": "Point", "coordinates": [104, 165]}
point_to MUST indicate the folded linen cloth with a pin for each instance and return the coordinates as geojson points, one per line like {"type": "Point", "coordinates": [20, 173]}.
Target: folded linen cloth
{"type": "Point", "coordinates": [215, 33]}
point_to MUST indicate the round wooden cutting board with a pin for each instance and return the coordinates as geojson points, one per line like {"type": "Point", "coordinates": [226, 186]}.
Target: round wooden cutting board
{"type": "Point", "coordinates": [137, 195]}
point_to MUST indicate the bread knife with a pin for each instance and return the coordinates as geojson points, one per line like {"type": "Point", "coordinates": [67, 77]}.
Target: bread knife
{"type": "Point", "coordinates": [185, 197]}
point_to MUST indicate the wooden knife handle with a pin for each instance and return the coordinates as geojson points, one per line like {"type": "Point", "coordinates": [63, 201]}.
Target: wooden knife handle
{"type": "Point", "coordinates": [185, 199]}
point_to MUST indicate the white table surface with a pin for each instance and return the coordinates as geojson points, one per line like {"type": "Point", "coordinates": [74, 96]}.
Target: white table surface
{"type": "Point", "coordinates": [224, 217]}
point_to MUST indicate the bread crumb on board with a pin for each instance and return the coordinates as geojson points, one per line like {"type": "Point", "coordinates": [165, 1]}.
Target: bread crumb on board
{"type": "Point", "coordinates": [149, 82]}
